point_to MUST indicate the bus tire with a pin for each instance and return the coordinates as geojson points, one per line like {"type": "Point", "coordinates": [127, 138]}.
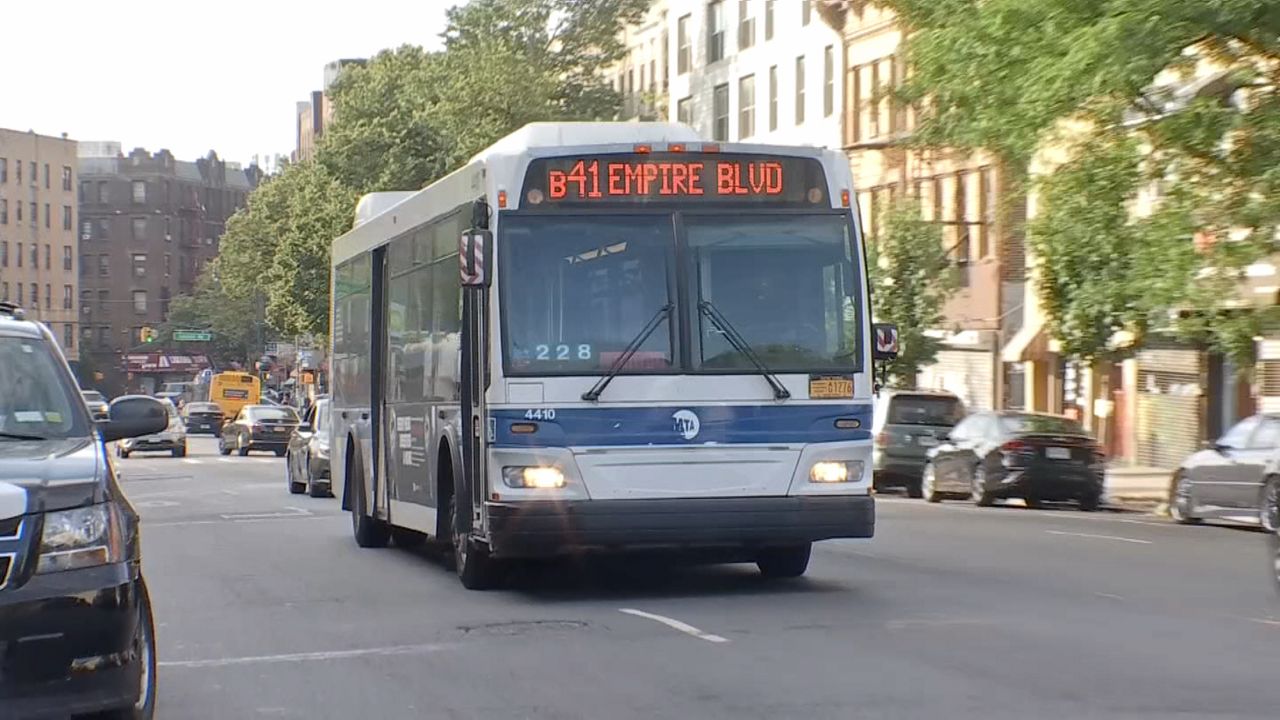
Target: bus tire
{"type": "Point", "coordinates": [784, 562]}
{"type": "Point", "coordinates": [369, 531]}
{"type": "Point", "coordinates": [476, 569]}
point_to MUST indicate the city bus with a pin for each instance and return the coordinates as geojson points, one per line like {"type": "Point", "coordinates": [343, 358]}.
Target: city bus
{"type": "Point", "coordinates": [233, 390]}
{"type": "Point", "coordinates": [607, 337]}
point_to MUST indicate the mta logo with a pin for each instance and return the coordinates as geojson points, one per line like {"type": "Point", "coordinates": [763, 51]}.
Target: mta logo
{"type": "Point", "coordinates": [686, 423]}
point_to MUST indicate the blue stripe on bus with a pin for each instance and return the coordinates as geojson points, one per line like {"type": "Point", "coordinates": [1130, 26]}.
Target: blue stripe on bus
{"type": "Point", "coordinates": [692, 425]}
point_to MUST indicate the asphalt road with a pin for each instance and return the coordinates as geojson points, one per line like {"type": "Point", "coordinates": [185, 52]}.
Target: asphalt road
{"type": "Point", "coordinates": [267, 609]}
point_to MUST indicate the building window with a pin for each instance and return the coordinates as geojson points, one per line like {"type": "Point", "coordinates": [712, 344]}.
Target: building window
{"type": "Point", "coordinates": [4, 211]}
{"type": "Point", "coordinates": [139, 191]}
{"type": "Point", "coordinates": [140, 265]}
{"type": "Point", "coordinates": [66, 178]}
{"type": "Point", "coordinates": [18, 207]}
{"type": "Point", "coordinates": [139, 228]}
{"type": "Point", "coordinates": [768, 20]}
{"type": "Point", "coordinates": [104, 265]}
{"type": "Point", "coordinates": [68, 336]}
{"type": "Point", "coordinates": [35, 295]}
{"type": "Point", "coordinates": [666, 74]}
{"type": "Point", "coordinates": [828, 81]}
{"type": "Point", "coordinates": [46, 176]}
{"type": "Point", "coordinates": [66, 257]}
{"type": "Point", "coordinates": [104, 192]}
{"type": "Point", "coordinates": [35, 214]}
{"type": "Point", "coordinates": [104, 299]}
{"type": "Point", "coordinates": [86, 229]}
{"type": "Point", "coordinates": [18, 297]}
{"type": "Point", "coordinates": [35, 256]}
{"type": "Point", "coordinates": [747, 106]}
{"type": "Point", "coordinates": [104, 228]}
{"type": "Point", "coordinates": [66, 217]}
{"type": "Point", "coordinates": [17, 170]}
{"type": "Point", "coordinates": [48, 296]}
{"type": "Point", "coordinates": [773, 98]}
{"type": "Point", "coordinates": [806, 12]}
{"type": "Point", "coordinates": [85, 188]}
{"type": "Point", "coordinates": [720, 113]}
{"type": "Point", "coordinates": [746, 26]}
{"type": "Point", "coordinates": [4, 170]}
{"type": "Point", "coordinates": [715, 31]}
{"type": "Point", "coordinates": [800, 89]}
{"type": "Point", "coordinates": [66, 297]}
{"type": "Point", "coordinates": [35, 176]}
{"type": "Point", "coordinates": [104, 335]}
{"type": "Point", "coordinates": [19, 256]}
{"type": "Point", "coordinates": [684, 111]}
{"type": "Point", "coordinates": [168, 264]}
{"type": "Point", "coordinates": [48, 257]}
{"type": "Point", "coordinates": [653, 77]}
{"type": "Point", "coordinates": [168, 228]}
{"type": "Point", "coordinates": [4, 253]}
{"type": "Point", "coordinates": [86, 334]}
{"type": "Point", "coordinates": [5, 290]}
{"type": "Point", "coordinates": [47, 217]}
{"type": "Point", "coordinates": [140, 301]}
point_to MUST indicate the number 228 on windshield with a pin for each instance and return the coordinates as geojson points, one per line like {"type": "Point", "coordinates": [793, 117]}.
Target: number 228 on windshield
{"type": "Point", "coordinates": [563, 352]}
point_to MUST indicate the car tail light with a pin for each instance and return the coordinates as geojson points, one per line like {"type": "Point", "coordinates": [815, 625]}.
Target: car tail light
{"type": "Point", "coordinates": [1015, 447]}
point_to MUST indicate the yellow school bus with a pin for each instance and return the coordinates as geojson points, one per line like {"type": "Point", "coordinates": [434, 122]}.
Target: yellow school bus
{"type": "Point", "coordinates": [233, 390]}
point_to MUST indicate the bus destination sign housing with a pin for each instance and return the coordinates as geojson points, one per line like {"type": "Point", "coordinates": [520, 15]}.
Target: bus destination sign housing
{"type": "Point", "coordinates": [675, 178]}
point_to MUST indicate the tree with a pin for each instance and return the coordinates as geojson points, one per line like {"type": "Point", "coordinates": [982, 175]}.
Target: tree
{"type": "Point", "coordinates": [1097, 79]}
{"type": "Point", "coordinates": [911, 279]}
{"type": "Point", "coordinates": [230, 318]}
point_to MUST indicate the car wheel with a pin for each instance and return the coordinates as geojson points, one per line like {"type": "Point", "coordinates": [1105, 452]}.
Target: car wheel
{"type": "Point", "coordinates": [295, 487]}
{"type": "Point", "coordinates": [280, 453]}
{"type": "Point", "coordinates": [475, 567]}
{"type": "Point", "coordinates": [784, 562]}
{"type": "Point", "coordinates": [1033, 501]}
{"type": "Point", "coordinates": [124, 453]}
{"type": "Point", "coordinates": [1181, 503]}
{"type": "Point", "coordinates": [222, 446]}
{"type": "Point", "coordinates": [1269, 505]}
{"type": "Point", "coordinates": [180, 452]}
{"type": "Point", "coordinates": [242, 447]}
{"type": "Point", "coordinates": [914, 489]}
{"type": "Point", "coordinates": [369, 531]}
{"type": "Point", "coordinates": [144, 708]}
{"type": "Point", "coordinates": [929, 484]}
{"type": "Point", "coordinates": [1091, 500]}
{"type": "Point", "coordinates": [979, 493]}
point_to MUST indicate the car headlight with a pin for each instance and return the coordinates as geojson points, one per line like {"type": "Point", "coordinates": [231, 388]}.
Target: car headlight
{"type": "Point", "coordinates": [533, 477]}
{"type": "Point", "coordinates": [836, 471]}
{"type": "Point", "coordinates": [81, 538]}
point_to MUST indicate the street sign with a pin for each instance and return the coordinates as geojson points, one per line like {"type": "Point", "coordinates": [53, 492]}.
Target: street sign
{"type": "Point", "coordinates": [886, 341]}
{"type": "Point", "coordinates": [192, 336]}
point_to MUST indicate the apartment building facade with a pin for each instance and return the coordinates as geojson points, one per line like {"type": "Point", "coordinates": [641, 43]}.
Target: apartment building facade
{"type": "Point", "coordinates": [148, 225]}
{"type": "Point", "coordinates": [38, 265]}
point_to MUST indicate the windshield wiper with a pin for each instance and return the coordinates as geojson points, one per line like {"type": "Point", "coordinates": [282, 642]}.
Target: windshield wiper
{"type": "Point", "coordinates": [739, 343]}
{"type": "Point", "coordinates": [20, 436]}
{"type": "Point", "coordinates": [593, 394]}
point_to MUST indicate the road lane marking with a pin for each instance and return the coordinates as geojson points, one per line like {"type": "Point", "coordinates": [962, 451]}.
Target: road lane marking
{"type": "Point", "coordinates": [193, 461]}
{"type": "Point", "coordinates": [294, 512]}
{"type": "Point", "coordinates": [1265, 622]}
{"type": "Point", "coordinates": [423, 649]}
{"type": "Point", "coordinates": [1099, 537]}
{"type": "Point", "coordinates": [278, 518]}
{"type": "Point", "coordinates": [674, 624]}
{"type": "Point", "coordinates": [1108, 596]}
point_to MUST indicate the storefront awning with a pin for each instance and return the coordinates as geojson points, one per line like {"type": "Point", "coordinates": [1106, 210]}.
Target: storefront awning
{"type": "Point", "coordinates": [1029, 343]}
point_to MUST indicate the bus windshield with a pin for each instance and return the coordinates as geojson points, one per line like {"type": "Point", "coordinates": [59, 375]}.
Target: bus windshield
{"type": "Point", "coordinates": [577, 289]}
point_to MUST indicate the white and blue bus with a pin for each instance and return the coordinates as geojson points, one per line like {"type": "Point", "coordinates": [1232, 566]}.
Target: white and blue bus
{"type": "Point", "coordinates": [607, 337]}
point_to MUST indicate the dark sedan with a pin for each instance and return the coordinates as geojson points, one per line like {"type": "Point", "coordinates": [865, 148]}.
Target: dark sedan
{"type": "Point", "coordinates": [307, 468]}
{"type": "Point", "coordinates": [258, 427]}
{"type": "Point", "coordinates": [1235, 475]}
{"type": "Point", "coordinates": [202, 417]}
{"type": "Point", "coordinates": [996, 455]}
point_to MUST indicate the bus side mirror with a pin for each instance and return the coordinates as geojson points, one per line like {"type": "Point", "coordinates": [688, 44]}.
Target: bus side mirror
{"type": "Point", "coordinates": [885, 336]}
{"type": "Point", "coordinates": [474, 251]}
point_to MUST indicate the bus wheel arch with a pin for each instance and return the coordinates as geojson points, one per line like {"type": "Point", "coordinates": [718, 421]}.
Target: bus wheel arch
{"type": "Point", "coordinates": [349, 459]}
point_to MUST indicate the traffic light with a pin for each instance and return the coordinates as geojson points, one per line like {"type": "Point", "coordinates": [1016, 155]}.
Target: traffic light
{"type": "Point", "coordinates": [148, 335]}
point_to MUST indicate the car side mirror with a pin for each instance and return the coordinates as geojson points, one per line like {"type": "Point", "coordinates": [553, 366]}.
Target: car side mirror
{"type": "Point", "coordinates": [131, 417]}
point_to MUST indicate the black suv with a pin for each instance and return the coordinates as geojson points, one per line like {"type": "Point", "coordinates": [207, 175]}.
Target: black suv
{"type": "Point", "coordinates": [76, 633]}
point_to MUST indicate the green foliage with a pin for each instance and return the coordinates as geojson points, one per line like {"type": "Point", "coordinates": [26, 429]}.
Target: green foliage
{"type": "Point", "coordinates": [1016, 77]}
{"type": "Point", "coordinates": [911, 279]}
{"type": "Point", "coordinates": [229, 317]}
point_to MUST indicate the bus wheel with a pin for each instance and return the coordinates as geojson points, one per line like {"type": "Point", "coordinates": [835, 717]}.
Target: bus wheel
{"type": "Point", "coordinates": [370, 532]}
{"type": "Point", "coordinates": [475, 568]}
{"type": "Point", "coordinates": [784, 562]}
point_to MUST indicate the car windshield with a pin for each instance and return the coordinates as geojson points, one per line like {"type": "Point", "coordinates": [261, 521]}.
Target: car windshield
{"type": "Point", "coordinates": [92, 396]}
{"type": "Point", "coordinates": [1020, 424]}
{"type": "Point", "coordinates": [924, 410]}
{"type": "Point", "coordinates": [272, 413]}
{"type": "Point", "coordinates": [577, 290]}
{"type": "Point", "coordinates": [37, 399]}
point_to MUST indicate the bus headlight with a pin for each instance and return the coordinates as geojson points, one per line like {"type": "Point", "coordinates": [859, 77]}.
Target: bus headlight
{"type": "Point", "coordinates": [830, 471]}
{"type": "Point", "coordinates": [80, 538]}
{"type": "Point", "coordinates": [533, 477]}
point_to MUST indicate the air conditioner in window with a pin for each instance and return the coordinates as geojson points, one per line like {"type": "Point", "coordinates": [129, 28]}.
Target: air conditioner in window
{"type": "Point", "coordinates": [84, 236]}
{"type": "Point", "coordinates": [168, 237]}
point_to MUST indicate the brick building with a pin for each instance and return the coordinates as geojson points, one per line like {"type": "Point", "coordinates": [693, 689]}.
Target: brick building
{"type": "Point", "coordinates": [149, 224]}
{"type": "Point", "coordinates": [37, 230]}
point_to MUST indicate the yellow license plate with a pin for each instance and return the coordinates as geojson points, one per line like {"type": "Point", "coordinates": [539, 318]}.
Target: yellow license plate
{"type": "Point", "coordinates": [831, 388]}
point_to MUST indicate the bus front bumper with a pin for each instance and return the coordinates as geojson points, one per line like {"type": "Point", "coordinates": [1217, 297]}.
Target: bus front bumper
{"type": "Point", "coordinates": [548, 528]}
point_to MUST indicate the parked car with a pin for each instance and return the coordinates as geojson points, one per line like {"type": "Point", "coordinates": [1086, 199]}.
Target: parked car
{"type": "Point", "coordinates": [258, 427]}
{"type": "Point", "coordinates": [1006, 454]}
{"type": "Point", "coordinates": [75, 617]}
{"type": "Point", "coordinates": [1237, 474]}
{"type": "Point", "coordinates": [172, 439]}
{"type": "Point", "coordinates": [96, 403]}
{"type": "Point", "coordinates": [202, 417]}
{"type": "Point", "coordinates": [307, 469]}
{"type": "Point", "coordinates": [906, 424]}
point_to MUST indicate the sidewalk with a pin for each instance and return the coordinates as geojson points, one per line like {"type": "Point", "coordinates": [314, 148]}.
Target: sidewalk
{"type": "Point", "coordinates": [1138, 485]}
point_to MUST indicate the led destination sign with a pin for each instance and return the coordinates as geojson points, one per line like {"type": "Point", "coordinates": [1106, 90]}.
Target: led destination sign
{"type": "Point", "coordinates": [675, 178]}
